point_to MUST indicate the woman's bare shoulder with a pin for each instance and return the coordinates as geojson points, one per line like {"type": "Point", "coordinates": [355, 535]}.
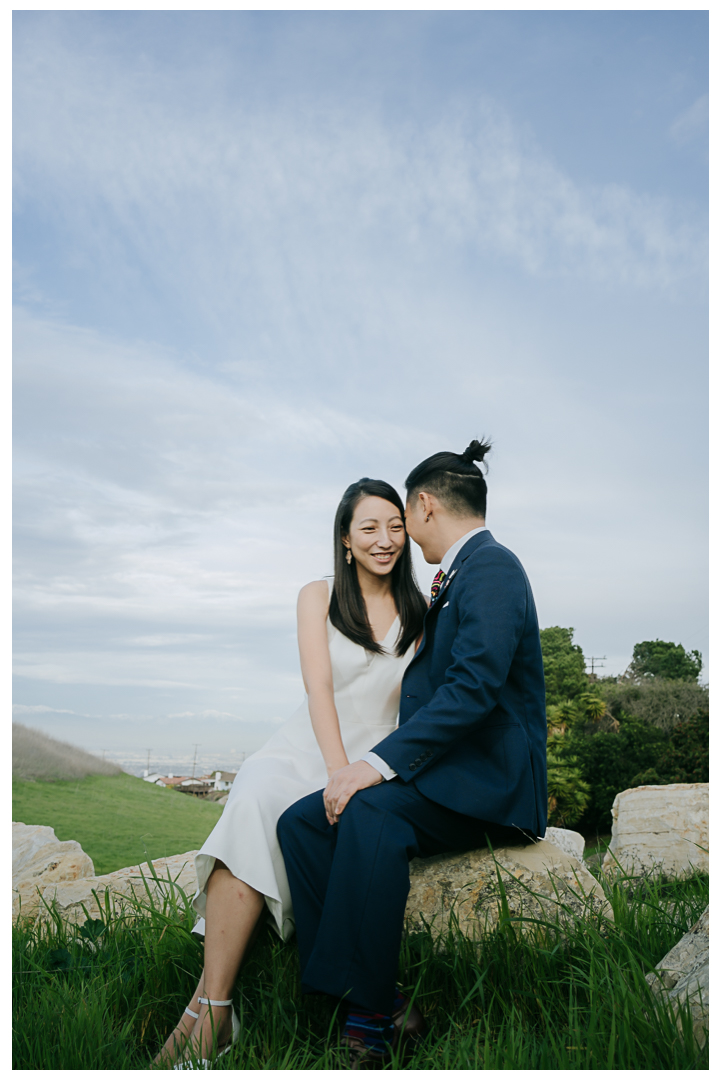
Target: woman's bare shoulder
{"type": "Point", "coordinates": [315, 594]}
{"type": "Point", "coordinates": [316, 588]}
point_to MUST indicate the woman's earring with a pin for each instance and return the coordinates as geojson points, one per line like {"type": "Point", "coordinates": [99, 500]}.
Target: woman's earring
{"type": "Point", "coordinates": [348, 556]}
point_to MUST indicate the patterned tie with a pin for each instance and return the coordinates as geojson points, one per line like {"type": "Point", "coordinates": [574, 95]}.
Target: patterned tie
{"type": "Point", "coordinates": [437, 582]}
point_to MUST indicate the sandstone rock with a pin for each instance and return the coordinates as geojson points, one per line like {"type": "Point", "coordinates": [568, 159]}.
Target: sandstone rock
{"type": "Point", "coordinates": [684, 975]}
{"type": "Point", "coordinates": [572, 843]}
{"type": "Point", "coordinates": [40, 859]}
{"type": "Point", "coordinates": [659, 828]}
{"type": "Point", "coordinates": [541, 881]}
{"type": "Point", "coordinates": [174, 873]}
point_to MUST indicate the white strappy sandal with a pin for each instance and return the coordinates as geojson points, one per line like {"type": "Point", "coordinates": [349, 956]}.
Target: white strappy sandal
{"type": "Point", "coordinates": [207, 1063]}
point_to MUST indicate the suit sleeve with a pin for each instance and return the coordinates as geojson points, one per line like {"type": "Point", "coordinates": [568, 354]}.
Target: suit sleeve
{"type": "Point", "coordinates": [492, 607]}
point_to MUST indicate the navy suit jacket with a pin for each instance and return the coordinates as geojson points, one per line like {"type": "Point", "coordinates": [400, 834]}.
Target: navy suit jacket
{"type": "Point", "coordinates": [472, 732]}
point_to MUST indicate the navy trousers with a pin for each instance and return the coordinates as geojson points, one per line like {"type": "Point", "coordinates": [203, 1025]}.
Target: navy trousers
{"type": "Point", "coordinates": [349, 882]}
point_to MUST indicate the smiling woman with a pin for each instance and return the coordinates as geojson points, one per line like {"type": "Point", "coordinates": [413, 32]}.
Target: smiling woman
{"type": "Point", "coordinates": [369, 536]}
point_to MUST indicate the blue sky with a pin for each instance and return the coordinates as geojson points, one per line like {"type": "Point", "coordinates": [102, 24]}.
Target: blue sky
{"type": "Point", "coordinates": [259, 255]}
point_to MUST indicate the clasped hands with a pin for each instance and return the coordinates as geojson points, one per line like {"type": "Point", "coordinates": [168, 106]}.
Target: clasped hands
{"type": "Point", "coordinates": [343, 784]}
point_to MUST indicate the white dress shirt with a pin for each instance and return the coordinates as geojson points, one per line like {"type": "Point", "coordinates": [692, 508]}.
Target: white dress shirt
{"type": "Point", "coordinates": [448, 559]}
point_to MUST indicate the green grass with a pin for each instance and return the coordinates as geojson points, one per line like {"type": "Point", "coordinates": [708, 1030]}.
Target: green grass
{"type": "Point", "coordinates": [117, 820]}
{"type": "Point", "coordinates": [105, 997]}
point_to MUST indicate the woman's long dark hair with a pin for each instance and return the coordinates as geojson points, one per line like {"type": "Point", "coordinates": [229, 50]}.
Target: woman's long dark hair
{"type": "Point", "coordinates": [348, 613]}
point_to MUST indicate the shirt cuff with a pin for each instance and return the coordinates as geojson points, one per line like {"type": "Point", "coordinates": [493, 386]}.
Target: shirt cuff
{"type": "Point", "coordinates": [382, 767]}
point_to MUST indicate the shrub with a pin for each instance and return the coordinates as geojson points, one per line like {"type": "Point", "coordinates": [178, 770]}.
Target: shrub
{"type": "Point", "coordinates": [610, 762]}
{"type": "Point", "coordinates": [661, 702]}
{"type": "Point", "coordinates": [687, 759]}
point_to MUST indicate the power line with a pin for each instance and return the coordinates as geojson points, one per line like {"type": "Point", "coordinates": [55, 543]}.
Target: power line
{"type": "Point", "coordinates": [592, 661]}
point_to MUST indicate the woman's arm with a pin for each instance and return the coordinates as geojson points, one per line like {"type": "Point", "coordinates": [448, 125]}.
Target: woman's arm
{"type": "Point", "coordinates": [312, 610]}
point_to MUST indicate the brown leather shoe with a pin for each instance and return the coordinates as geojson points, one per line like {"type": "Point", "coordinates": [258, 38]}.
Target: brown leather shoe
{"type": "Point", "coordinates": [409, 1024]}
{"type": "Point", "coordinates": [360, 1057]}
{"type": "Point", "coordinates": [409, 1029]}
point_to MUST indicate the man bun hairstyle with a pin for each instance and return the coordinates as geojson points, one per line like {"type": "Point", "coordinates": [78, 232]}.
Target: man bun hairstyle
{"type": "Point", "coordinates": [454, 479]}
{"type": "Point", "coordinates": [476, 451]}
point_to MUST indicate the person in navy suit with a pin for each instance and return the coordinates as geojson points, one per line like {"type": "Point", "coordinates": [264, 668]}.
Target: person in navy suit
{"type": "Point", "coordinates": [466, 763]}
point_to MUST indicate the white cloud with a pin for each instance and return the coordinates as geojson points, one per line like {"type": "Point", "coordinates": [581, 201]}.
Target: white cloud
{"type": "Point", "coordinates": [154, 641]}
{"type": "Point", "coordinates": [24, 710]}
{"type": "Point", "coordinates": [300, 204]}
{"type": "Point", "coordinates": [145, 491]}
{"type": "Point", "coordinates": [215, 714]}
{"type": "Point", "coordinates": [692, 123]}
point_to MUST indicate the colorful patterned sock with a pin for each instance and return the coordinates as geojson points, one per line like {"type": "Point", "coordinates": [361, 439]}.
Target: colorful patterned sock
{"type": "Point", "coordinates": [373, 1029]}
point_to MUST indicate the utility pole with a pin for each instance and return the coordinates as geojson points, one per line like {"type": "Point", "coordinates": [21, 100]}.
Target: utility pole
{"type": "Point", "coordinates": [148, 760]}
{"type": "Point", "coordinates": [593, 662]}
{"type": "Point", "coordinates": [195, 758]}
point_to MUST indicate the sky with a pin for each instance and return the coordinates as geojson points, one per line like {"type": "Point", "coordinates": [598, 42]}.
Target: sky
{"type": "Point", "coordinates": [258, 255]}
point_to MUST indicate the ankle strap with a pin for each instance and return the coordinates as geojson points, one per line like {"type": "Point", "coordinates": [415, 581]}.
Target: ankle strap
{"type": "Point", "coordinates": [209, 1001]}
{"type": "Point", "coordinates": [191, 1013]}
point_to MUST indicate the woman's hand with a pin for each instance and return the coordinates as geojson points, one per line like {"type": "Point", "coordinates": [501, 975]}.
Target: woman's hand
{"type": "Point", "coordinates": [343, 784]}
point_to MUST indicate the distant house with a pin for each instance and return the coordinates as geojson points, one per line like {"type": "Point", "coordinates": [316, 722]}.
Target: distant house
{"type": "Point", "coordinates": [219, 780]}
{"type": "Point", "coordinates": [171, 781]}
{"type": "Point", "coordinates": [195, 786]}
{"type": "Point", "coordinates": [223, 780]}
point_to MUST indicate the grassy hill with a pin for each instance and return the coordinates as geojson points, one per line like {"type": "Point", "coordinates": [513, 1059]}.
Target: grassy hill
{"type": "Point", "coordinates": [37, 756]}
{"type": "Point", "coordinates": [118, 820]}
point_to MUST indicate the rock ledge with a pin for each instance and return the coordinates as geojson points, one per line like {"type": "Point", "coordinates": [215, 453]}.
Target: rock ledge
{"type": "Point", "coordinates": [540, 880]}
{"type": "Point", "coordinates": [684, 975]}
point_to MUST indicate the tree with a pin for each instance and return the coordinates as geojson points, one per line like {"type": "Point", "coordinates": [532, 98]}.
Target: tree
{"type": "Point", "coordinates": [662, 702]}
{"type": "Point", "coordinates": [592, 705]}
{"type": "Point", "coordinates": [665, 660]}
{"type": "Point", "coordinates": [564, 665]}
{"type": "Point", "coordinates": [568, 794]}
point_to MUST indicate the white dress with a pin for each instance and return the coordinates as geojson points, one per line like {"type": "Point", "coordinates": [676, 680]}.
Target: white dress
{"type": "Point", "coordinates": [290, 766]}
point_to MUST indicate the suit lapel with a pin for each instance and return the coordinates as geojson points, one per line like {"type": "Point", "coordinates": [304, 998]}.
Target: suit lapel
{"type": "Point", "coordinates": [464, 553]}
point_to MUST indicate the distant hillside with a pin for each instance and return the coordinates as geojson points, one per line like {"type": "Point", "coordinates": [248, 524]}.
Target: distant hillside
{"type": "Point", "coordinates": [37, 756]}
